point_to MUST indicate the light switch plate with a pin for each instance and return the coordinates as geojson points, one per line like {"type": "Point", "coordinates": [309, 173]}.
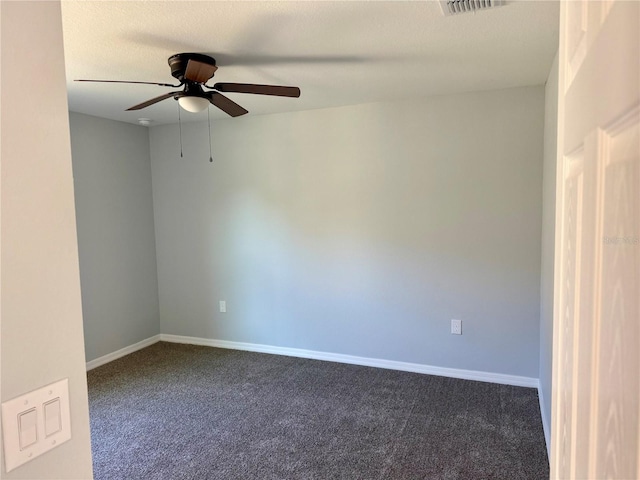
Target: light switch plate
{"type": "Point", "coordinates": [14, 454]}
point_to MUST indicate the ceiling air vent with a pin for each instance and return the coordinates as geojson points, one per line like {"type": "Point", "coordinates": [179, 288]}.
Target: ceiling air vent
{"type": "Point", "coordinates": [454, 7]}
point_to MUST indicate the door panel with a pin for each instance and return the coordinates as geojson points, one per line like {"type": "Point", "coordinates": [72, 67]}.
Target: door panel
{"type": "Point", "coordinates": [618, 385]}
{"type": "Point", "coordinates": [596, 384]}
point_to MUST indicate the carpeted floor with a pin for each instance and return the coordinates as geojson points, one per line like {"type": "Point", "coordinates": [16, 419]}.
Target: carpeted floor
{"type": "Point", "coordinates": [174, 412]}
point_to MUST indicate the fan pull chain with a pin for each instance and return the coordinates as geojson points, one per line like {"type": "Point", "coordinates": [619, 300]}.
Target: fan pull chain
{"type": "Point", "coordinates": [209, 120]}
{"type": "Point", "coordinates": [180, 126]}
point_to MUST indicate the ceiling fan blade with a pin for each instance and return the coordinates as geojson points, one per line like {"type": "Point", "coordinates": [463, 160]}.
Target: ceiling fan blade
{"type": "Point", "coordinates": [125, 81]}
{"type": "Point", "coordinates": [226, 105]}
{"type": "Point", "coordinates": [276, 90]}
{"type": "Point", "coordinates": [142, 105]}
{"type": "Point", "coordinates": [199, 72]}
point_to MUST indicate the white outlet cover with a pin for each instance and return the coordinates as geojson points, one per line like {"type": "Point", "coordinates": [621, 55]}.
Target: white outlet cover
{"type": "Point", "coordinates": [14, 456]}
{"type": "Point", "coordinates": [456, 327]}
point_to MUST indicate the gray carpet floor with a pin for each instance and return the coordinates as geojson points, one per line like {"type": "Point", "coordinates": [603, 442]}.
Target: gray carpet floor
{"type": "Point", "coordinates": [174, 412]}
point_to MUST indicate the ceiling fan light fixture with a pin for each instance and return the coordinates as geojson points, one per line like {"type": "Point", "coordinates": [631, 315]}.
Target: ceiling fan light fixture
{"type": "Point", "coordinates": [193, 104]}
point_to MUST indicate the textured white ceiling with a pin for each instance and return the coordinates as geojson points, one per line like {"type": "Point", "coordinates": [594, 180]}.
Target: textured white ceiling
{"type": "Point", "coordinates": [338, 53]}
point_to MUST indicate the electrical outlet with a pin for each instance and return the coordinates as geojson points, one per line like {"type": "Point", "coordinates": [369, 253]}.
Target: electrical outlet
{"type": "Point", "coordinates": [223, 306]}
{"type": "Point", "coordinates": [456, 327]}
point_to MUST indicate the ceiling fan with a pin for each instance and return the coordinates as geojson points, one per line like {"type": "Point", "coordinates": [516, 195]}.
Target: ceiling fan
{"type": "Point", "coordinates": [193, 70]}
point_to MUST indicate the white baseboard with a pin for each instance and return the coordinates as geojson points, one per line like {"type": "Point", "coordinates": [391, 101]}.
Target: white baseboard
{"type": "Point", "coordinates": [110, 357]}
{"type": "Point", "coordinates": [354, 360]}
{"type": "Point", "coordinates": [545, 422]}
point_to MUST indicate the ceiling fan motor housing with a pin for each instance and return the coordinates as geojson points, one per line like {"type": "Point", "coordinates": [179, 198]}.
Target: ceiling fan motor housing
{"type": "Point", "coordinates": [179, 61]}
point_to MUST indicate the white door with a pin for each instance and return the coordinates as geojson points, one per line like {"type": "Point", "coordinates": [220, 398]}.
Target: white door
{"type": "Point", "coordinates": [596, 364]}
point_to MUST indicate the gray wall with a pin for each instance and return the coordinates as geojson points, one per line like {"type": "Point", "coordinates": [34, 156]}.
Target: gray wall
{"type": "Point", "coordinates": [360, 230]}
{"type": "Point", "coordinates": [548, 240]}
{"type": "Point", "coordinates": [114, 208]}
{"type": "Point", "coordinates": [41, 307]}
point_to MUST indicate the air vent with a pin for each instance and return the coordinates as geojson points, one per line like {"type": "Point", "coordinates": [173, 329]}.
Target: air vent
{"type": "Point", "coordinates": [454, 7]}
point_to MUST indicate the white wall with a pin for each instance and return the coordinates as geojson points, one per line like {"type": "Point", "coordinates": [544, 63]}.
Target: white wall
{"type": "Point", "coordinates": [41, 308]}
{"type": "Point", "coordinates": [548, 242]}
{"type": "Point", "coordinates": [360, 230]}
{"type": "Point", "coordinates": [114, 209]}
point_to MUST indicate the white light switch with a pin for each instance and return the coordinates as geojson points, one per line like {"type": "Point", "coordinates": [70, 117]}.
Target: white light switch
{"type": "Point", "coordinates": [223, 306]}
{"type": "Point", "coordinates": [52, 422]}
{"type": "Point", "coordinates": [27, 430]}
{"type": "Point", "coordinates": [34, 423]}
